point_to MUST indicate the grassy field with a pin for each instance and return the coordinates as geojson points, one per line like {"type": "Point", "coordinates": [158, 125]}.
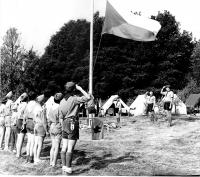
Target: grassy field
{"type": "Point", "coordinates": [139, 147]}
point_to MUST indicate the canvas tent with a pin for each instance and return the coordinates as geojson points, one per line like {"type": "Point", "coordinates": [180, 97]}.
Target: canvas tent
{"type": "Point", "coordinates": [138, 107]}
{"type": "Point", "coordinates": [109, 102]}
{"type": "Point", "coordinates": [193, 100]}
{"type": "Point", "coordinates": [179, 107]}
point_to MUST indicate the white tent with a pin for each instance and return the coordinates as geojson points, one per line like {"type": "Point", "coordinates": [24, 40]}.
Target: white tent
{"type": "Point", "coordinates": [179, 106]}
{"type": "Point", "coordinates": [109, 102]}
{"type": "Point", "coordinates": [138, 107]}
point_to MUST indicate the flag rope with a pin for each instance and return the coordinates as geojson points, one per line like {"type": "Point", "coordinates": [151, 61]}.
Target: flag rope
{"type": "Point", "coordinates": [97, 52]}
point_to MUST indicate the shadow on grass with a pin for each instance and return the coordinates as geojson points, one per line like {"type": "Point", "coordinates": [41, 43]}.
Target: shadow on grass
{"type": "Point", "coordinates": [45, 153]}
{"type": "Point", "coordinates": [96, 162]}
{"type": "Point", "coordinates": [165, 174]}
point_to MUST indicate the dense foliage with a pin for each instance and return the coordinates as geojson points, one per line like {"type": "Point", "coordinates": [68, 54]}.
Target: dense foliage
{"type": "Point", "coordinates": [122, 66]}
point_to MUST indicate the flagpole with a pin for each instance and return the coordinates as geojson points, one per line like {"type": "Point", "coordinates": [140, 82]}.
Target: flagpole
{"type": "Point", "coordinates": [91, 50]}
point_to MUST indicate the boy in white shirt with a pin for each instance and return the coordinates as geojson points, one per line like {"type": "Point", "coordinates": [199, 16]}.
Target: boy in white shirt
{"type": "Point", "coordinates": [168, 102]}
{"type": "Point", "coordinates": [151, 100]}
{"type": "Point", "coordinates": [118, 108]}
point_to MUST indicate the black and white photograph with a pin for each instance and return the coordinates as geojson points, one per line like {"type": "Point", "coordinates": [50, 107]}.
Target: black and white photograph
{"type": "Point", "coordinates": [99, 87]}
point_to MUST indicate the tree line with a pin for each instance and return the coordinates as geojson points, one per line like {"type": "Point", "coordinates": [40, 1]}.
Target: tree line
{"type": "Point", "coordinates": [121, 66]}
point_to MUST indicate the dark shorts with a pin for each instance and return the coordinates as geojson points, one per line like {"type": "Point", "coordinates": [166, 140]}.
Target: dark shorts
{"type": "Point", "coordinates": [167, 106]}
{"type": "Point", "coordinates": [30, 126]}
{"type": "Point", "coordinates": [39, 130]}
{"type": "Point", "coordinates": [19, 126]}
{"type": "Point", "coordinates": [117, 110]}
{"type": "Point", "coordinates": [70, 129]}
{"type": "Point", "coordinates": [91, 110]}
{"type": "Point", "coordinates": [150, 107]}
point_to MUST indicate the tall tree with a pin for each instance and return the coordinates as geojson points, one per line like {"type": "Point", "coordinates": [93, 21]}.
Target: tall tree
{"type": "Point", "coordinates": [11, 61]}
{"type": "Point", "coordinates": [172, 52]}
{"type": "Point", "coordinates": [195, 68]}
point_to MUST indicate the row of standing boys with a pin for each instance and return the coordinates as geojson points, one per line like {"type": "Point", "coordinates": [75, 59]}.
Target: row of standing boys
{"type": "Point", "coordinates": [29, 115]}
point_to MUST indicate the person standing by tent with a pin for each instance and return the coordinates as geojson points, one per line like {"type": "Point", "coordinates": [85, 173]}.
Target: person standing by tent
{"type": "Point", "coordinates": [168, 102]}
{"type": "Point", "coordinates": [68, 114]}
{"type": "Point", "coordinates": [151, 100]}
{"type": "Point", "coordinates": [146, 95]}
{"type": "Point", "coordinates": [118, 107]}
{"type": "Point", "coordinates": [8, 116]}
{"type": "Point", "coordinates": [55, 129]}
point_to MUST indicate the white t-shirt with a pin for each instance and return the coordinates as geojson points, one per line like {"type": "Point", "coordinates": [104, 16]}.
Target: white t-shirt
{"type": "Point", "coordinates": [20, 110]}
{"type": "Point", "coordinates": [150, 99]}
{"type": "Point", "coordinates": [168, 96]}
{"type": "Point", "coordinates": [29, 109]}
{"type": "Point", "coordinates": [8, 109]}
{"type": "Point", "coordinates": [117, 104]}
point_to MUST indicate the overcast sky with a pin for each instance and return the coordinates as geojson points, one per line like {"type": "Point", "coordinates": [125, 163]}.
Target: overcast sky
{"type": "Point", "coordinates": [38, 20]}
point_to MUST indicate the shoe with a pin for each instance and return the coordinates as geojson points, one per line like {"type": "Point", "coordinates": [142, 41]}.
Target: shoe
{"type": "Point", "coordinates": [31, 159]}
{"type": "Point", "coordinates": [169, 125]}
{"type": "Point", "coordinates": [27, 158]}
{"type": "Point", "coordinates": [67, 169]}
{"type": "Point", "coordinates": [6, 149]}
{"type": "Point", "coordinates": [37, 161]}
{"type": "Point", "coordinates": [63, 169]}
{"type": "Point", "coordinates": [14, 151]}
{"type": "Point", "coordinates": [17, 156]}
{"type": "Point", "coordinates": [52, 164]}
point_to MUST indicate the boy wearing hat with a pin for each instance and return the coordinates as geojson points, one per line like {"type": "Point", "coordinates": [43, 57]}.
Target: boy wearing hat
{"type": "Point", "coordinates": [2, 121]}
{"type": "Point", "coordinates": [151, 101]}
{"type": "Point", "coordinates": [40, 128]}
{"type": "Point", "coordinates": [68, 114]}
{"type": "Point", "coordinates": [28, 122]}
{"type": "Point", "coordinates": [55, 128]}
{"type": "Point", "coordinates": [21, 131]}
{"type": "Point", "coordinates": [168, 102]}
{"type": "Point", "coordinates": [13, 133]}
{"type": "Point", "coordinates": [8, 115]}
{"type": "Point", "coordinates": [118, 108]}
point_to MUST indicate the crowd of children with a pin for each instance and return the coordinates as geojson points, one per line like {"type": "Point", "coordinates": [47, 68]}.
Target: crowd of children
{"type": "Point", "coordinates": [30, 115]}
